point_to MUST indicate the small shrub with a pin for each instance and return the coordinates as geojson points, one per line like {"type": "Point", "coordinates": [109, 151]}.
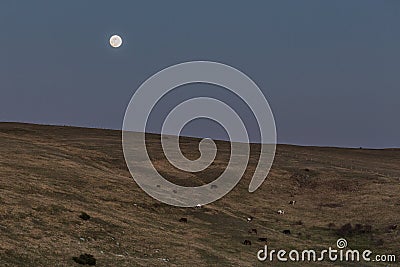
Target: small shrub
{"type": "Point", "coordinates": [286, 232]}
{"type": "Point", "coordinates": [85, 259]}
{"type": "Point", "coordinates": [348, 230]}
{"type": "Point", "coordinates": [358, 228]}
{"type": "Point", "coordinates": [345, 230]}
{"type": "Point", "coordinates": [367, 229]}
{"type": "Point", "coordinates": [331, 225]}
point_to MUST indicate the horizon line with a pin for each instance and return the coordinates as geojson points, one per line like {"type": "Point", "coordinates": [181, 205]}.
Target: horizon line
{"type": "Point", "coordinates": [195, 137]}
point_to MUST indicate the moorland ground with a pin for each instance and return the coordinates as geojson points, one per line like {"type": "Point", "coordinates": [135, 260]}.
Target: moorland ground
{"type": "Point", "coordinates": [49, 175]}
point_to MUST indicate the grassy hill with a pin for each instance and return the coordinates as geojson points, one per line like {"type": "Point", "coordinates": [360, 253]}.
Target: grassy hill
{"type": "Point", "coordinates": [49, 175]}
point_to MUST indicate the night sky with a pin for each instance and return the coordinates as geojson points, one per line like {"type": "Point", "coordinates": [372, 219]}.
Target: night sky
{"type": "Point", "coordinates": [329, 69]}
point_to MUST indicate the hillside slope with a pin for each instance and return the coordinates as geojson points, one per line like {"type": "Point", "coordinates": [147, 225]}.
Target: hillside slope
{"type": "Point", "coordinates": [49, 175]}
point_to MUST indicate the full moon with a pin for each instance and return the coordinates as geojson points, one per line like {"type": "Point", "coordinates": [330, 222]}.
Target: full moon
{"type": "Point", "coordinates": [115, 41]}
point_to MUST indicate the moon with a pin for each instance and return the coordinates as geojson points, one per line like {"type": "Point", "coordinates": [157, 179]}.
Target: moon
{"type": "Point", "coordinates": [115, 41]}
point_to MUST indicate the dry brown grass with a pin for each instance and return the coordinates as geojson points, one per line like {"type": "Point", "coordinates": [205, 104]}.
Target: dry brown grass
{"type": "Point", "coordinates": [49, 175]}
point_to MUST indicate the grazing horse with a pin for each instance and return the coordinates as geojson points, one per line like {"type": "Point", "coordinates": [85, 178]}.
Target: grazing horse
{"type": "Point", "coordinates": [247, 242]}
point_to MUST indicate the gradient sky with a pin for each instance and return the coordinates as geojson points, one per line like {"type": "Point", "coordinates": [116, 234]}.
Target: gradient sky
{"type": "Point", "coordinates": [329, 69]}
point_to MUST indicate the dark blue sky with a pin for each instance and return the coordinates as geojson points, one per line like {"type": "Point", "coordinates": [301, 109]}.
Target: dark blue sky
{"type": "Point", "coordinates": [329, 69]}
